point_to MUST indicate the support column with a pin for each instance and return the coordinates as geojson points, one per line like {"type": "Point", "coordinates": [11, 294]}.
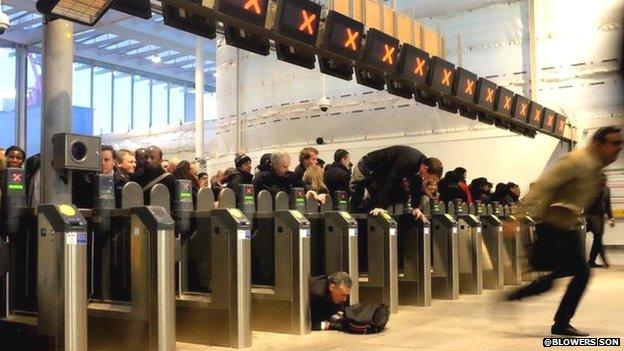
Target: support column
{"type": "Point", "coordinates": [199, 102]}
{"type": "Point", "coordinates": [532, 50]}
{"type": "Point", "coordinates": [56, 115]}
{"type": "Point", "coordinates": [21, 61]}
{"type": "Point", "coordinates": [239, 93]}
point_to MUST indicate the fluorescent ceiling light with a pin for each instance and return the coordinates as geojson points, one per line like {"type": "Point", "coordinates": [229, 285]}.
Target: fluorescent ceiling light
{"type": "Point", "coordinates": [86, 12]}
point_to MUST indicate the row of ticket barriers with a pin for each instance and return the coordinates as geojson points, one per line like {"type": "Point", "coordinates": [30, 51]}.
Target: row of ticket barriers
{"type": "Point", "coordinates": [142, 277]}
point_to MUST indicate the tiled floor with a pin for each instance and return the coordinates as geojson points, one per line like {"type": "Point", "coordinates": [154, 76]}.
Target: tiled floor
{"type": "Point", "coordinates": [474, 322]}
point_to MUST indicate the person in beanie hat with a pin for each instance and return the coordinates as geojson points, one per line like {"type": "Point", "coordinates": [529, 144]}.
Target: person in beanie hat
{"type": "Point", "coordinates": [265, 164]}
{"type": "Point", "coordinates": [242, 174]}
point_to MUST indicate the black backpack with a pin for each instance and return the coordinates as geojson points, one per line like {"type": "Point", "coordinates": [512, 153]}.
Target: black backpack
{"type": "Point", "coordinates": [365, 318]}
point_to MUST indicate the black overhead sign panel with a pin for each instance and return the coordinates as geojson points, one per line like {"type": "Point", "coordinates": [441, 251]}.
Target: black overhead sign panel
{"type": "Point", "coordinates": [413, 65]}
{"type": "Point", "coordinates": [521, 108]}
{"type": "Point", "coordinates": [251, 11]}
{"type": "Point", "coordinates": [298, 20]}
{"type": "Point", "coordinates": [504, 101]}
{"type": "Point", "coordinates": [343, 35]}
{"type": "Point", "coordinates": [465, 85]}
{"type": "Point", "coordinates": [536, 114]}
{"type": "Point", "coordinates": [486, 94]}
{"type": "Point", "coordinates": [549, 120]}
{"type": "Point", "coordinates": [441, 76]}
{"type": "Point", "coordinates": [381, 51]}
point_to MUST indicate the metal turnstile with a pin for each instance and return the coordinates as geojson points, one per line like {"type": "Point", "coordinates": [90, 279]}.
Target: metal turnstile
{"type": "Point", "coordinates": [512, 244]}
{"type": "Point", "coordinates": [378, 264]}
{"type": "Point", "coordinates": [341, 248]}
{"type": "Point", "coordinates": [147, 321]}
{"type": "Point", "coordinates": [444, 253]}
{"type": "Point", "coordinates": [493, 252]}
{"type": "Point", "coordinates": [470, 249]}
{"type": "Point", "coordinates": [414, 256]}
{"type": "Point", "coordinates": [213, 303]}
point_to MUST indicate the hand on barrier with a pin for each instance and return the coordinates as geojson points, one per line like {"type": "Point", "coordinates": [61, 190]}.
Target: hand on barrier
{"type": "Point", "coordinates": [417, 213]}
{"type": "Point", "coordinates": [378, 211]}
{"type": "Point", "coordinates": [322, 198]}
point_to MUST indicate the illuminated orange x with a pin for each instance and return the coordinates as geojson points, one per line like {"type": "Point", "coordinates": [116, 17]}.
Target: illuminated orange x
{"type": "Point", "coordinates": [551, 121]}
{"type": "Point", "coordinates": [420, 67]}
{"type": "Point", "coordinates": [523, 109]}
{"type": "Point", "coordinates": [351, 39]}
{"type": "Point", "coordinates": [446, 77]}
{"type": "Point", "coordinates": [469, 87]}
{"type": "Point", "coordinates": [256, 6]}
{"type": "Point", "coordinates": [537, 115]}
{"type": "Point", "coordinates": [490, 96]}
{"type": "Point", "coordinates": [307, 22]}
{"type": "Point", "coordinates": [561, 125]}
{"type": "Point", "coordinates": [388, 55]}
{"type": "Point", "coordinates": [507, 105]}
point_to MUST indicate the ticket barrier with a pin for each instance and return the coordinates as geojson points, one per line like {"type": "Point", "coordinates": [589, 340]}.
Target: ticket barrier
{"type": "Point", "coordinates": [333, 236]}
{"type": "Point", "coordinates": [281, 307]}
{"type": "Point", "coordinates": [414, 255]}
{"type": "Point", "coordinates": [377, 258]}
{"type": "Point", "coordinates": [213, 294]}
{"type": "Point", "coordinates": [147, 321]}
{"type": "Point", "coordinates": [444, 252]}
{"type": "Point", "coordinates": [470, 249]}
{"type": "Point", "coordinates": [524, 228]}
{"type": "Point", "coordinates": [493, 252]}
{"type": "Point", "coordinates": [58, 318]}
{"type": "Point", "coordinates": [513, 250]}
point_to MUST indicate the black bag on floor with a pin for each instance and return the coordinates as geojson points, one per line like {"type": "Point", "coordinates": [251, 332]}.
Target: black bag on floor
{"type": "Point", "coordinates": [365, 318]}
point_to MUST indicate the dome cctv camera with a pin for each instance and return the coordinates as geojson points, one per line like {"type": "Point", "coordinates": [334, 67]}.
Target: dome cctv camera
{"type": "Point", "coordinates": [4, 21]}
{"type": "Point", "coordinates": [324, 104]}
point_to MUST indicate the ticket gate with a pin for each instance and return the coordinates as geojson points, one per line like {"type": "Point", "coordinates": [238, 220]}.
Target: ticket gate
{"type": "Point", "coordinates": [470, 249]}
{"type": "Point", "coordinates": [493, 252]}
{"type": "Point", "coordinates": [282, 307]}
{"type": "Point", "coordinates": [57, 320]}
{"type": "Point", "coordinates": [414, 256]}
{"type": "Point", "coordinates": [147, 321]}
{"type": "Point", "coordinates": [333, 237]}
{"type": "Point", "coordinates": [444, 252]}
{"type": "Point", "coordinates": [512, 244]}
{"type": "Point", "coordinates": [213, 294]}
{"type": "Point", "coordinates": [378, 266]}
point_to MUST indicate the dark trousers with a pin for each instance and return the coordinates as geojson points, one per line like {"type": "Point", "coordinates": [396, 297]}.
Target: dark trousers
{"type": "Point", "coordinates": [597, 249]}
{"type": "Point", "coordinates": [563, 254]}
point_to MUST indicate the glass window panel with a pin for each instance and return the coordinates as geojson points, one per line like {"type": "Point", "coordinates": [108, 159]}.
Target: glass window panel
{"type": "Point", "coordinates": [189, 103]}
{"type": "Point", "coordinates": [81, 90]}
{"type": "Point", "coordinates": [159, 104]}
{"type": "Point", "coordinates": [34, 84]}
{"type": "Point", "coordinates": [141, 103]}
{"type": "Point", "coordinates": [102, 100]}
{"type": "Point", "coordinates": [210, 106]}
{"type": "Point", "coordinates": [176, 104]}
{"type": "Point", "coordinates": [122, 103]}
{"type": "Point", "coordinates": [7, 97]}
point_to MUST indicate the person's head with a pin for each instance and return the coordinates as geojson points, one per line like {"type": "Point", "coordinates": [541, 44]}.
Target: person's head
{"type": "Point", "coordinates": [343, 157]}
{"type": "Point", "coordinates": [220, 175]}
{"type": "Point", "coordinates": [140, 155]}
{"type": "Point", "coordinates": [243, 163]}
{"type": "Point", "coordinates": [204, 180]}
{"type": "Point", "coordinates": [340, 284]}
{"type": "Point", "coordinates": [280, 163]}
{"type": "Point", "coordinates": [314, 176]}
{"type": "Point", "coordinates": [501, 189]}
{"type": "Point", "coordinates": [126, 161]}
{"type": "Point", "coordinates": [173, 163]}
{"type": "Point", "coordinates": [2, 150]}
{"type": "Point", "coordinates": [228, 173]}
{"type": "Point", "coordinates": [607, 141]}
{"type": "Point", "coordinates": [195, 168]}
{"type": "Point", "coordinates": [265, 163]}
{"type": "Point", "coordinates": [431, 168]}
{"type": "Point", "coordinates": [2, 162]}
{"type": "Point", "coordinates": [452, 178]}
{"type": "Point", "coordinates": [462, 172]}
{"type": "Point", "coordinates": [183, 171]}
{"type": "Point", "coordinates": [154, 157]}
{"type": "Point", "coordinates": [514, 189]}
{"type": "Point", "coordinates": [430, 186]}
{"type": "Point", "coordinates": [14, 157]}
{"type": "Point", "coordinates": [165, 165]}
{"type": "Point", "coordinates": [107, 159]}
{"type": "Point", "coordinates": [308, 156]}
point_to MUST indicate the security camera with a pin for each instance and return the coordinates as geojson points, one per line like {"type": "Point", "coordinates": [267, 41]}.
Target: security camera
{"type": "Point", "coordinates": [324, 104]}
{"type": "Point", "coordinates": [4, 21]}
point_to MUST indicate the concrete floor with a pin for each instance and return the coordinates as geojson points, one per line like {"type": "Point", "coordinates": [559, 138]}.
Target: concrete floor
{"type": "Point", "coordinates": [474, 322]}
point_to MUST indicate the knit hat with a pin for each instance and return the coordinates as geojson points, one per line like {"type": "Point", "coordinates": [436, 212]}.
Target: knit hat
{"type": "Point", "coordinates": [240, 159]}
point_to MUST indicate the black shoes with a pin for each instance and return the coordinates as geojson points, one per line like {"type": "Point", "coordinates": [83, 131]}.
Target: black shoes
{"type": "Point", "coordinates": [566, 330]}
{"type": "Point", "coordinates": [597, 265]}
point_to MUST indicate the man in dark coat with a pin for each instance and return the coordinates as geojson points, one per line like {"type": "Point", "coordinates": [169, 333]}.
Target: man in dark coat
{"type": "Point", "coordinates": [307, 157]}
{"type": "Point", "coordinates": [338, 174]}
{"type": "Point", "coordinates": [381, 172]}
{"type": "Point", "coordinates": [328, 299]}
{"type": "Point", "coordinates": [280, 178]}
{"type": "Point", "coordinates": [154, 174]}
{"type": "Point", "coordinates": [242, 174]}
